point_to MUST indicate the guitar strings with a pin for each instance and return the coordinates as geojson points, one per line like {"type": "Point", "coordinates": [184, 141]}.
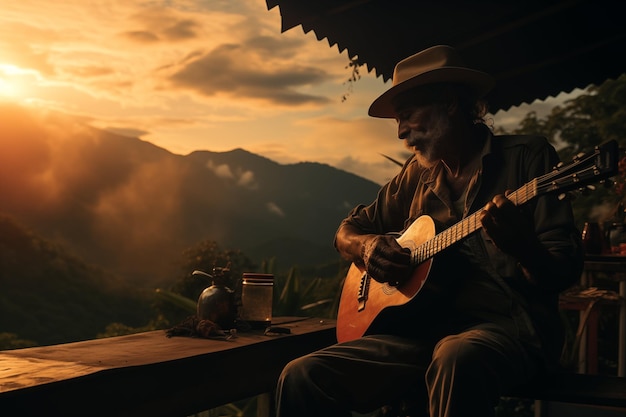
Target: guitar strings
{"type": "Point", "coordinates": [540, 185]}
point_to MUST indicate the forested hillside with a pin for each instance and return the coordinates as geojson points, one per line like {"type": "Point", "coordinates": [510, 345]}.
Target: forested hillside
{"type": "Point", "coordinates": [133, 208]}
{"type": "Point", "coordinates": [48, 295]}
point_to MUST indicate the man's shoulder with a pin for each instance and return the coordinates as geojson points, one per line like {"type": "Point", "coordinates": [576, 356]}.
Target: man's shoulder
{"type": "Point", "coordinates": [523, 140]}
{"type": "Point", "coordinates": [531, 142]}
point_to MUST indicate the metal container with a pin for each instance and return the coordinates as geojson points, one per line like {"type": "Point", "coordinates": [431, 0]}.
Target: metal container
{"type": "Point", "coordinates": [257, 291]}
{"type": "Point", "coordinates": [217, 302]}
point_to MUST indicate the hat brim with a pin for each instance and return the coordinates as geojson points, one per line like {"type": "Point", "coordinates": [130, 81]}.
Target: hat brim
{"type": "Point", "coordinates": [479, 81]}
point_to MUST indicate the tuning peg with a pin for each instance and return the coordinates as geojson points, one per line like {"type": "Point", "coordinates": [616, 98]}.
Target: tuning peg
{"type": "Point", "coordinates": [570, 195]}
{"type": "Point", "coordinates": [608, 183]}
{"type": "Point", "coordinates": [587, 190]}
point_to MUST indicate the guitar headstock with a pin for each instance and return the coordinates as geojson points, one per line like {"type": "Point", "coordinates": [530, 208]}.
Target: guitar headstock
{"type": "Point", "coordinates": [585, 169]}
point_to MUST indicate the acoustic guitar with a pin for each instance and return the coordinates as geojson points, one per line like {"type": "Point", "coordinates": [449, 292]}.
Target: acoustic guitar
{"type": "Point", "coordinates": [364, 300]}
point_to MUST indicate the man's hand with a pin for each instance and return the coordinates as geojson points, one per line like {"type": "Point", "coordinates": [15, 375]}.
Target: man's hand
{"type": "Point", "coordinates": [511, 231]}
{"type": "Point", "coordinates": [385, 260]}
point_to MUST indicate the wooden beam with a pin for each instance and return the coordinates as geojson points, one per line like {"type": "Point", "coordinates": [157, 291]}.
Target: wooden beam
{"type": "Point", "coordinates": [151, 374]}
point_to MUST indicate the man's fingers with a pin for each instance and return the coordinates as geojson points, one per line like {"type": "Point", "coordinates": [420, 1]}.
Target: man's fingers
{"type": "Point", "coordinates": [385, 260]}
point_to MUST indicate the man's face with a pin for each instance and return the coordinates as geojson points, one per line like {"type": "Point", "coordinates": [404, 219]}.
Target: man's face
{"type": "Point", "coordinates": [424, 127]}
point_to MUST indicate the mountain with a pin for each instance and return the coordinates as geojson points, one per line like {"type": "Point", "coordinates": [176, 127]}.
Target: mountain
{"type": "Point", "coordinates": [50, 296]}
{"type": "Point", "coordinates": [132, 207]}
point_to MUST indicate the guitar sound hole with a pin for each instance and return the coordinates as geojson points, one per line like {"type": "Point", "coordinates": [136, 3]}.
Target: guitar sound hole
{"type": "Point", "coordinates": [388, 289]}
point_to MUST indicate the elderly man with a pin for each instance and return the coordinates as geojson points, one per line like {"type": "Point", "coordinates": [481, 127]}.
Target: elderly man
{"type": "Point", "coordinates": [486, 317]}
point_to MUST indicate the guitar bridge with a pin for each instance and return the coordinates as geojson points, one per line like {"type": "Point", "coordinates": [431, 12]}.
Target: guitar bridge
{"type": "Point", "coordinates": [363, 291]}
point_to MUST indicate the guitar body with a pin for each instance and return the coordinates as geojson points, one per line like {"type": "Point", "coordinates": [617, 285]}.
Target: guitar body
{"type": "Point", "coordinates": [364, 300]}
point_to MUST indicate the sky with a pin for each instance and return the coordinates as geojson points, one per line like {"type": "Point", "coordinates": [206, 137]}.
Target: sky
{"type": "Point", "coordinates": [212, 75]}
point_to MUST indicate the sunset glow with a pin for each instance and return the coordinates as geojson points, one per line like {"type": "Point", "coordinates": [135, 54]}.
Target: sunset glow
{"type": "Point", "coordinates": [10, 84]}
{"type": "Point", "coordinates": [197, 75]}
{"type": "Point", "coordinates": [6, 88]}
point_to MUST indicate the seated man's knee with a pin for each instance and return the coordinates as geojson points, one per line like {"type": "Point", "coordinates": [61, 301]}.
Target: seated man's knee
{"type": "Point", "coordinates": [296, 369]}
{"type": "Point", "coordinates": [455, 355]}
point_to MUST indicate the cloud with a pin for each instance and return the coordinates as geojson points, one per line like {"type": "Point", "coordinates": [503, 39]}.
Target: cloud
{"type": "Point", "coordinates": [163, 23]}
{"type": "Point", "coordinates": [222, 171]}
{"type": "Point", "coordinates": [22, 54]}
{"type": "Point", "coordinates": [353, 144]}
{"type": "Point", "coordinates": [246, 179]}
{"type": "Point", "coordinates": [126, 131]}
{"type": "Point", "coordinates": [243, 178]}
{"type": "Point", "coordinates": [273, 208]}
{"type": "Point", "coordinates": [184, 29]}
{"type": "Point", "coordinates": [284, 48]}
{"type": "Point", "coordinates": [510, 119]}
{"type": "Point", "coordinates": [60, 175]}
{"type": "Point", "coordinates": [141, 36]}
{"type": "Point", "coordinates": [89, 71]}
{"type": "Point", "coordinates": [378, 171]}
{"type": "Point", "coordinates": [195, 75]}
{"type": "Point", "coordinates": [240, 71]}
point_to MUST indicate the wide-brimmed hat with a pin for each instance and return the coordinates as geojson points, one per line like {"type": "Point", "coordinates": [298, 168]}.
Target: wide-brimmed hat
{"type": "Point", "coordinates": [437, 64]}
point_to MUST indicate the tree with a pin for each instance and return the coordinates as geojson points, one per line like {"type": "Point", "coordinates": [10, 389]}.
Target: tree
{"type": "Point", "coordinates": [204, 256]}
{"type": "Point", "coordinates": [12, 341]}
{"type": "Point", "coordinates": [584, 121]}
{"type": "Point", "coordinates": [580, 124]}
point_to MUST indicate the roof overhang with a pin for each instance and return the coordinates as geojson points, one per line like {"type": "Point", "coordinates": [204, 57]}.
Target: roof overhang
{"type": "Point", "coordinates": [535, 49]}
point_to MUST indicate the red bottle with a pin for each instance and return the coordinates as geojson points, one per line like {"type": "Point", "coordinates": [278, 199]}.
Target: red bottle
{"type": "Point", "coordinates": [593, 238]}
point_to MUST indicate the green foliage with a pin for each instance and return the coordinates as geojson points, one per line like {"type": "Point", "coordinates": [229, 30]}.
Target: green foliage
{"type": "Point", "coordinates": [12, 341]}
{"type": "Point", "coordinates": [177, 302]}
{"type": "Point", "coordinates": [205, 256]}
{"type": "Point", "coordinates": [584, 121]}
{"type": "Point", "coordinates": [355, 74]}
{"type": "Point", "coordinates": [580, 124]}
{"type": "Point", "coordinates": [314, 292]}
{"type": "Point", "coordinates": [120, 329]}
{"type": "Point", "coordinates": [48, 296]}
{"type": "Point", "coordinates": [184, 303]}
{"type": "Point", "coordinates": [304, 297]}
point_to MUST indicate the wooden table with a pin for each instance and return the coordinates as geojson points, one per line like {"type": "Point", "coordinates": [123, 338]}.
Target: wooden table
{"type": "Point", "coordinates": [614, 268]}
{"type": "Point", "coordinates": [149, 374]}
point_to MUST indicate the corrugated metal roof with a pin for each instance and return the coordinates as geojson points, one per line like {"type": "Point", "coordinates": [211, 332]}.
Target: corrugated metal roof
{"type": "Point", "coordinates": [535, 49]}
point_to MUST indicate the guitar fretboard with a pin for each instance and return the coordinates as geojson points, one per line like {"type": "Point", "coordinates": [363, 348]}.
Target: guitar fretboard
{"type": "Point", "coordinates": [468, 225]}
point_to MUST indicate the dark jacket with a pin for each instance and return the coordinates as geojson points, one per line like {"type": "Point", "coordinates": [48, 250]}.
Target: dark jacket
{"type": "Point", "coordinates": [483, 283]}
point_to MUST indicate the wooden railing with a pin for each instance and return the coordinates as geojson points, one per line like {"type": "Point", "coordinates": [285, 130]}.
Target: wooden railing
{"type": "Point", "coordinates": [149, 374]}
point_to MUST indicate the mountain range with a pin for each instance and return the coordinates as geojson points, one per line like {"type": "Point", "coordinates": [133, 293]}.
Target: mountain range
{"type": "Point", "coordinates": [132, 208]}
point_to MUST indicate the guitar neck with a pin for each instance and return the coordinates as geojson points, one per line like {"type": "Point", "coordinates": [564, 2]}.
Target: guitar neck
{"type": "Point", "coordinates": [467, 226]}
{"type": "Point", "coordinates": [597, 165]}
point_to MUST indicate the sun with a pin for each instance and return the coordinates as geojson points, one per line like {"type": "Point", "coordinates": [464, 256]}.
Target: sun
{"type": "Point", "coordinates": [8, 89]}
{"type": "Point", "coordinates": [12, 83]}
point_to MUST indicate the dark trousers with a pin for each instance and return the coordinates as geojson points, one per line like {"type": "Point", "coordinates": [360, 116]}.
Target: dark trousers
{"type": "Point", "coordinates": [461, 374]}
